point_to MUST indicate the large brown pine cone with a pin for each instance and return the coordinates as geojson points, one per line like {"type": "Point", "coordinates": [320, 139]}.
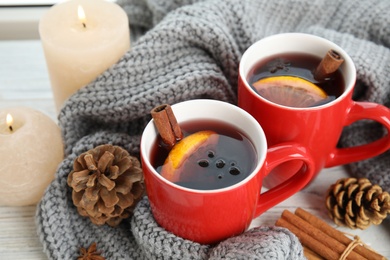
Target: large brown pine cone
{"type": "Point", "coordinates": [356, 203]}
{"type": "Point", "coordinates": [107, 184]}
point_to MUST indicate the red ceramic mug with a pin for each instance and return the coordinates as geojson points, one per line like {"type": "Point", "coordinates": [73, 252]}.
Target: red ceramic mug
{"type": "Point", "coordinates": [316, 128]}
{"type": "Point", "coordinates": [209, 216]}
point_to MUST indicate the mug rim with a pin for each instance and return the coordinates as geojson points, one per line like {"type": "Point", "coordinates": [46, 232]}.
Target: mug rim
{"type": "Point", "coordinates": [261, 150]}
{"type": "Point", "coordinates": [285, 38]}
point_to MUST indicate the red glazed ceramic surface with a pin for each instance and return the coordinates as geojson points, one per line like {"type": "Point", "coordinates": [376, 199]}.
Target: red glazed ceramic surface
{"type": "Point", "coordinates": [209, 216]}
{"type": "Point", "coordinates": [316, 128]}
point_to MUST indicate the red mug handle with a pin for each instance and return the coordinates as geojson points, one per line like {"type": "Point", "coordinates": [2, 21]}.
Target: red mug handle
{"type": "Point", "coordinates": [277, 155]}
{"type": "Point", "coordinates": [359, 111]}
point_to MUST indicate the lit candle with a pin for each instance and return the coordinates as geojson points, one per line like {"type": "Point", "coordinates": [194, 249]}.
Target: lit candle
{"type": "Point", "coordinates": [31, 149]}
{"type": "Point", "coordinates": [10, 122]}
{"type": "Point", "coordinates": [81, 39]}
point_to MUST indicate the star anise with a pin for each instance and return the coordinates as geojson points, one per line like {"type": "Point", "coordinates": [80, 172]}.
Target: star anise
{"type": "Point", "coordinates": [90, 253]}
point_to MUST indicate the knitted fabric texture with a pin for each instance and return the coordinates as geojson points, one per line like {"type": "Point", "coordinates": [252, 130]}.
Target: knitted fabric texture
{"type": "Point", "coordinates": [258, 243]}
{"type": "Point", "coordinates": [191, 49]}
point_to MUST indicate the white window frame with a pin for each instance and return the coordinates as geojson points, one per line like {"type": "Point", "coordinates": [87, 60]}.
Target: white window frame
{"type": "Point", "coordinates": [19, 19]}
{"type": "Point", "coordinates": [27, 2]}
{"type": "Point", "coordinates": [20, 23]}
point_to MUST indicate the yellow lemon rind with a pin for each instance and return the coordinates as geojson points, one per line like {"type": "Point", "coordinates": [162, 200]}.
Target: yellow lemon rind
{"type": "Point", "coordinates": [181, 151]}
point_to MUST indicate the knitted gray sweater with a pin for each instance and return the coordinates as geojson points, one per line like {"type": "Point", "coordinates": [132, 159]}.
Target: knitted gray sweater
{"type": "Point", "coordinates": [191, 49]}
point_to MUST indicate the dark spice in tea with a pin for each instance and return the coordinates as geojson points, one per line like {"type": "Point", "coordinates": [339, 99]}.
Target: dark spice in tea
{"type": "Point", "coordinates": [218, 165]}
{"type": "Point", "coordinates": [288, 79]}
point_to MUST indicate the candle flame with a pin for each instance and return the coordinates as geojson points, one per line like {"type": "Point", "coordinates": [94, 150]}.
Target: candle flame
{"type": "Point", "coordinates": [10, 121]}
{"type": "Point", "coordinates": [81, 15]}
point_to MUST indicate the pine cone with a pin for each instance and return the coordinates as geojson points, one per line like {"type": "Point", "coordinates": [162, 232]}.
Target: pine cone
{"type": "Point", "coordinates": [107, 184]}
{"type": "Point", "coordinates": [356, 203]}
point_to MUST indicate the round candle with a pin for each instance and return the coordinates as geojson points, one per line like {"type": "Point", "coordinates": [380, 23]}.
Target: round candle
{"type": "Point", "coordinates": [30, 152]}
{"type": "Point", "coordinates": [81, 39]}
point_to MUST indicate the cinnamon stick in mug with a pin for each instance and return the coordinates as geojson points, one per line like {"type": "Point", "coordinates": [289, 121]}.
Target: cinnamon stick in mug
{"type": "Point", "coordinates": [167, 125]}
{"type": "Point", "coordinates": [328, 65]}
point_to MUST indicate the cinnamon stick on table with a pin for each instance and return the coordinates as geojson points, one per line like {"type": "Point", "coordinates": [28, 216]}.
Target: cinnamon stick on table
{"type": "Point", "coordinates": [318, 235]}
{"type": "Point", "coordinates": [321, 238]}
{"type": "Point", "coordinates": [336, 234]}
{"type": "Point", "coordinates": [308, 241]}
{"type": "Point", "coordinates": [328, 65]}
{"type": "Point", "coordinates": [310, 254]}
{"type": "Point", "coordinates": [167, 125]}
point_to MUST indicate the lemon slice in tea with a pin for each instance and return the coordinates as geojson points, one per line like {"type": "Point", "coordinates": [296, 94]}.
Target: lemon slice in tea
{"type": "Point", "coordinates": [172, 168]}
{"type": "Point", "coordinates": [290, 91]}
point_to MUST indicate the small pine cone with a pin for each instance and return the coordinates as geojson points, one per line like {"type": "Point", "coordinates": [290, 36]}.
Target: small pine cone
{"type": "Point", "coordinates": [356, 203]}
{"type": "Point", "coordinates": [107, 184]}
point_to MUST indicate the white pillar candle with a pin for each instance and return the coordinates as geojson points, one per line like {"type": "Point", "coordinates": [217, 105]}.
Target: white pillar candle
{"type": "Point", "coordinates": [31, 149]}
{"type": "Point", "coordinates": [81, 39]}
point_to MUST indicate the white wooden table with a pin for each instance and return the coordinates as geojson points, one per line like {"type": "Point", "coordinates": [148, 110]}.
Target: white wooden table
{"type": "Point", "coordinates": [24, 82]}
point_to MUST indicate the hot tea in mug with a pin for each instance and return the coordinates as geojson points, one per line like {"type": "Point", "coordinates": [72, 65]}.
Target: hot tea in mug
{"type": "Point", "coordinates": [204, 182]}
{"type": "Point", "coordinates": [290, 79]}
{"type": "Point", "coordinates": [213, 155]}
{"type": "Point", "coordinates": [299, 88]}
